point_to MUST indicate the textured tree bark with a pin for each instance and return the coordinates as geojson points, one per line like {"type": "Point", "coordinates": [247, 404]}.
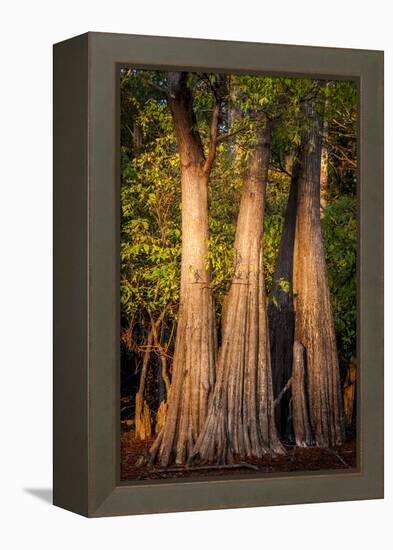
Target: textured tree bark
{"type": "Point", "coordinates": [240, 420]}
{"type": "Point", "coordinates": [300, 416]}
{"type": "Point", "coordinates": [281, 310]}
{"type": "Point", "coordinates": [234, 119]}
{"type": "Point", "coordinates": [194, 357]}
{"type": "Point", "coordinates": [142, 411]}
{"type": "Point", "coordinates": [164, 382]}
{"type": "Point", "coordinates": [314, 327]}
{"type": "Point", "coordinates": [350, 391]}
{"type": "Point", "coordinates": [161, 416]}
{"type": "Point", "coordinates": [324, 168]}
{"type": "Point", "coordinates": [136, 137]}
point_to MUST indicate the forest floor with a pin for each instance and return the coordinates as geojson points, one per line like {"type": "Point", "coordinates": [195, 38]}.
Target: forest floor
{"type": "Point", "coordinates": [296, 459]}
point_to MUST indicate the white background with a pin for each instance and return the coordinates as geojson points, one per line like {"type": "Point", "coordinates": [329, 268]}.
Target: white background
{"type": "Point", "coordinates": [28, 29]}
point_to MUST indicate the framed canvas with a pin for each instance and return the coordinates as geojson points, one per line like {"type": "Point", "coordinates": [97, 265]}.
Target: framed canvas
{"type": "Point", "coordinates": [218, 274]}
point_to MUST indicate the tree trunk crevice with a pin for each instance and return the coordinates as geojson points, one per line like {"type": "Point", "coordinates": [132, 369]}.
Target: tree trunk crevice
{"type": "Point", "coordinates": [281, 309]}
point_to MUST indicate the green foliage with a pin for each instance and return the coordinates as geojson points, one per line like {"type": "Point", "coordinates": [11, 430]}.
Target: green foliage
{"type": "Point", "coordinates": [276, 201]}
{"type": "Point", "coordinates": [340, 236]}
{"type": "Point", "coordinates": [150, 216]}
{"type": "Point", "coordinates": [284, 285]}
{"type": "Point", "coordinates": [151, 199]}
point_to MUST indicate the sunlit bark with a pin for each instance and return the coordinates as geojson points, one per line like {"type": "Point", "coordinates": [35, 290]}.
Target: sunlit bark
{"type": "Point", "coordinates": [240, 422]}
{"type": "Point", "coordinates": [194, 356]}
{"type": "Point", "coordinates": [314, 326]}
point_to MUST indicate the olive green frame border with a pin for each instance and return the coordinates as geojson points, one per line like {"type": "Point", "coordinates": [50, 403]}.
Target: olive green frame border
{"type": "Point", "coordinates": [86, 275]}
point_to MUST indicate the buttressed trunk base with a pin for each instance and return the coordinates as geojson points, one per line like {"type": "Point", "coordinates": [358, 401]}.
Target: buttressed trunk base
{"type": "Point", "coordinates": [194, 357]}
{"type": "Point", "coordinates": [240, 421]}
{"type": "Point", "coordinates": [314, 325]}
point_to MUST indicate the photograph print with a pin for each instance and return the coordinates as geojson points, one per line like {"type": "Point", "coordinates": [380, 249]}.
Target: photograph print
{"type": "Point", "coordinates": [238, 277]}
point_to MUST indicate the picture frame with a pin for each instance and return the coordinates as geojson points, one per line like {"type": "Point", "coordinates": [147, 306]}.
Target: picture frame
{"type": "Point", "coordinates": [86, 447]}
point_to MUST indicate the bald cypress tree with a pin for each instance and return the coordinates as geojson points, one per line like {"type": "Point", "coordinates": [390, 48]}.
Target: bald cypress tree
{"type": "Point", "coordinates": [240, 422]}
{"type": "Point", "coordinates": [314, 325]}
{"type": "Point", "coordinates": [195, 349]}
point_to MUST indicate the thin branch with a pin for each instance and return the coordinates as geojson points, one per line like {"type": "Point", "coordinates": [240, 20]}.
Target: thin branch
{"type": "Point", "coordinates": [344, 158]}
{"type": "Point", "coordinates": [281, 168]}
{"type": "Point", "coordinates": [227, 135]}
{"type": "Point", "coordinates": [341, 134]}
{"type": "Point", "coordinates": [213, 136]}
{"type": "Point", "coordinates": [157, 87]}
{"type": "Point", "coordinates": [340, 124]}
{"type": "Point", "coordinates": [282, 392]}
{"type": "Point", "coordinates": [160, 352]}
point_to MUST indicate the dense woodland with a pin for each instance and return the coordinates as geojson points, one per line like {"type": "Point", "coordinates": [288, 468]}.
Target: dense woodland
{"type": "Point", "coordinates": [238, 267]}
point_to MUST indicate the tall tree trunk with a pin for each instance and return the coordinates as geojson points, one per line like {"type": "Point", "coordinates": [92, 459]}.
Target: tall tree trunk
{"type": "Point", "coordinates": [314, 327]}
{"type": "Point", "coordinates": [163, 378]}
{"type": "Point", "coordinates": [194, 356]}
{"type": "Point", "coordinates": [324, 168]}
{"type": "Point", "coordinates": [350, 392]}
{"type": "Point", "coordinates": [142, 411]}
{"type": "Point", "coordinates": [136, 137]}
{"type": "Point", "coordinates": [234, 119]}
{"type": "Point", "coordinates": [301, 422]}
{"type": "Point", "coordinates": [240, 421]}
{"type": "Point", "coordinates": [281, 309]}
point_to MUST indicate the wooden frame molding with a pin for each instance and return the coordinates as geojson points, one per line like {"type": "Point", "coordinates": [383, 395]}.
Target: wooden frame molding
{"type": "Point", "coordinates": [86, 274]}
